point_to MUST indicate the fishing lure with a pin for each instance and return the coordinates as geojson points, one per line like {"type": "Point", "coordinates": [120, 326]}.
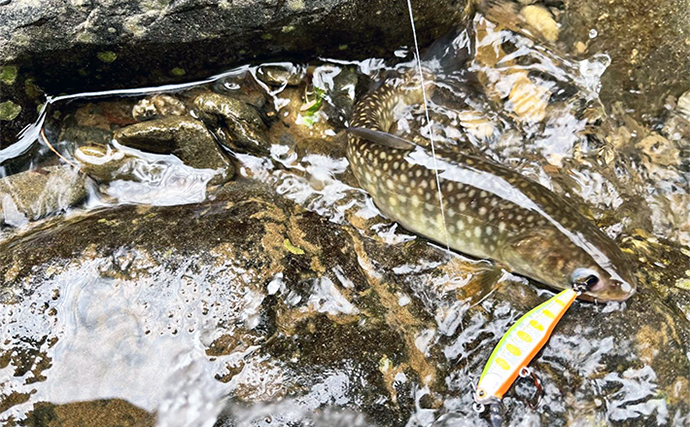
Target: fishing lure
{"type": "Point", "coordinates": [517, 348]}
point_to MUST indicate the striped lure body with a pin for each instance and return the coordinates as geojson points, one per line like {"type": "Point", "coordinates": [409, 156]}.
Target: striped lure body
{"type": "Point", "coordinates": [519, 345]}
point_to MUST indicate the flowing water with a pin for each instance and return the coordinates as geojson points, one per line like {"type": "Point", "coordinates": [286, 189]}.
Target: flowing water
{"type": "Point", "coordinates": [246, 280]}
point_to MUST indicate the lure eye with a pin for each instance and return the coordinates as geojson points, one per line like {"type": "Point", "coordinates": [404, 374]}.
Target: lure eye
{"type": "Point", "coordinates": [480, 392]}
{"type": "Point", "coordinates": [584, 279]}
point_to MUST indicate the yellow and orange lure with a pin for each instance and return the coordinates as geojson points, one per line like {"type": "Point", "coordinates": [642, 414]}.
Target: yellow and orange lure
{"type": "Point", "coordinates": [519, 346]}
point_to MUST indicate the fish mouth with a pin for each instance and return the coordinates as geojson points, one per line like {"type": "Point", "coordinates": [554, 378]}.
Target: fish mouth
{"type": "Point", "coordinates": [609, 292]}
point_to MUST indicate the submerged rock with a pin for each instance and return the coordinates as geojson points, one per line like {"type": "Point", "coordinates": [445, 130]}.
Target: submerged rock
{"type": "Point", "coordinates": [649, 49]}
{"type": "Point", "coordinates": [112, 412]}
{"type": "Point", "coordinates": [34, 194]}
{"type": "Point", "coordinates": [242, 125]}
{"type": "Point", "coordinates": [185, 137]}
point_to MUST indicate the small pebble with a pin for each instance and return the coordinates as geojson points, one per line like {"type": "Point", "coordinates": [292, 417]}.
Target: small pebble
{"type": "Point", "coordinates": [580, 47]}
{"type": "Point", "coordinates": [541, 19]}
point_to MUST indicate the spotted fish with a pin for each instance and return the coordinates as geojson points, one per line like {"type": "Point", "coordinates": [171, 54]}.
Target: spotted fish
{"type": "Point", "coordinates": [490, 211]}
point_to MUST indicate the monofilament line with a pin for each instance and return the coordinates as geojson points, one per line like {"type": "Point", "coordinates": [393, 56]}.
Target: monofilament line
{"type": "Point", "coordinates": [428, 122]}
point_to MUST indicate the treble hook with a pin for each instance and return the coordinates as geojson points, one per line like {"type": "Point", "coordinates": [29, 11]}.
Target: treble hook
{"type": "Point", "coordinates": [526, 372]}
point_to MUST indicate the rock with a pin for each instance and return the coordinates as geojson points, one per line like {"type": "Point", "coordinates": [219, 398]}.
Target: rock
{"type": "Point", "coordinates": [649, 49]}
{"type": "Point", "coordinates": [273, 304]}
{"type": "Point", "coordinates": [254, 238]}
{"type": "Point", "coordinates": [683, 106]}
{"type": "Point", "coordinates": [186, 138]}
{"type": "Point", "coordinates": [34, 194]}
{"type": "Point", "coordinates": [158, 106]}
{"type": "Point", "coordinates": [105, 165]}
{"type": "Point", "coordinates": [280, 74]}
{"type": "Point", "coordinates": [242, 125]}
{"type": "Point", "coordinates": [528, 100]}
{"type": "Point", "coordinates": [541, 19]}
{"type": "Point", "coordinates": [113, 412]}
{"type": "Point", "coordinates": [93, 45]}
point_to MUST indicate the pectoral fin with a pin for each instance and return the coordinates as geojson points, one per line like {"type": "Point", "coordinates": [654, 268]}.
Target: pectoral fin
{"type": "Point", "coordinates": [382, 138]}
{"type": "Point", "coordinates": [484, 283]}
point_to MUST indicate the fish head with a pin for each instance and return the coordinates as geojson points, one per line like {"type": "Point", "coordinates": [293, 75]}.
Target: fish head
{"type": "Point", "coordinates": [602, 284]}
{"type": "Point", "coordinates": [594, 265]}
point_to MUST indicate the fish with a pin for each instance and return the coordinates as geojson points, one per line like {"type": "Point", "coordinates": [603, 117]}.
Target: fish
{"type": "Point", "coordinates": [489, 211]}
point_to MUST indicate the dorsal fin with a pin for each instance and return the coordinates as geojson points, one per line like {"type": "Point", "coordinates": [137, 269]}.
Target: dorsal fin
{"type": "Point", "coordinates": [382, 138]}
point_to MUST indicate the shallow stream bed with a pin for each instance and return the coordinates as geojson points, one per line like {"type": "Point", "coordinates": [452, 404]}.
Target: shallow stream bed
{"type": "Point", "coordinates": [202, 254]}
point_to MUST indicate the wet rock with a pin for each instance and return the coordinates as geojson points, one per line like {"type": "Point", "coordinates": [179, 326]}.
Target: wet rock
{"type": "Point", "coordinates": [158, 106]}
{"type": "Point", "coordinates": [338, 87]}
{"type": "Point", "coordinates": [105, 165]}
{"type": "Point", "coordinates": [541, 19]}
{"type": "Point", "coordinates": [74, 135]}
{"type": "Point", "coordinates": [186, 138]}
{"type": "Point", "coordinates": [280, 75]}
{"type": "Point", "coordinates": [313, 314]}
{"type": "Point", "coordinates": [112, 412]}
{"type": "Point", "coordinates": [683, 106]}
{"type": "Point", "coordinates": [242, 125]}
{"type": "Point", "coordinates": [266, 240]}
{"type": "Point", "coordinates": [659, 150]}
{"type": "Point", "coordinates": [649, 49]}
{"type": "Point", "coordinates": [528, 100]}
{"type": "Point", "coordinates": [20, 98]}
{"type": "Point", "coordinates": [301, 118]}
{"type": "Point", "coordinates": [129, 43]}
{"type": "Point", "coordinates": [30, 195]}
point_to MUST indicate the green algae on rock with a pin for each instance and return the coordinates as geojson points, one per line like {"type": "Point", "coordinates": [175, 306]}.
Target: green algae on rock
{"type": "Point", "coordinates": [8, 74]}
{"type": "Point", "coordinates": [9, 110]}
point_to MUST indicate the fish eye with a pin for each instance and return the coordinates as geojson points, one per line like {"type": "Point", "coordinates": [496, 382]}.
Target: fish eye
{"type": "Point", "coordinates": [591, 280]}
{"type": "Point", "coordinates": [584, 279]}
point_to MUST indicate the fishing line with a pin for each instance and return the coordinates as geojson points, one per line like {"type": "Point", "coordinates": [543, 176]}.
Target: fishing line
{"type": "Point", "coordinates": [428, 122]}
